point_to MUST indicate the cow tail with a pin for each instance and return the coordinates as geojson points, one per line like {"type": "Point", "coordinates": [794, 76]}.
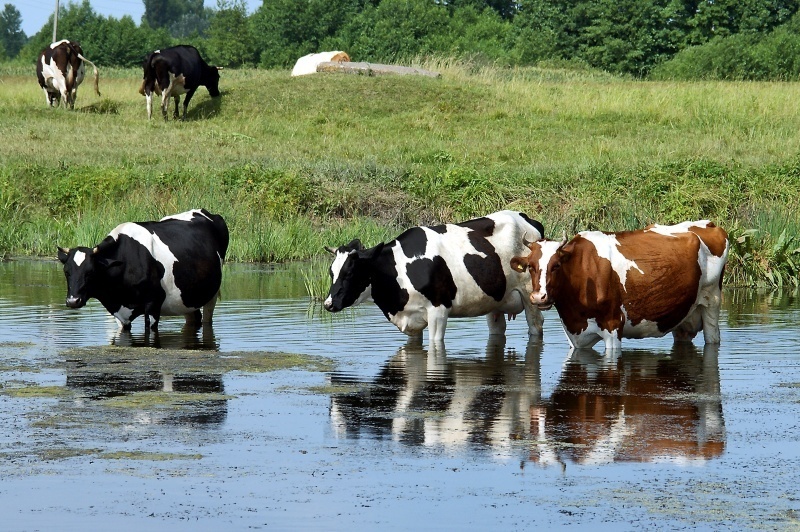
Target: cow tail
{"type": "Point", "coordinates": [96, 75]}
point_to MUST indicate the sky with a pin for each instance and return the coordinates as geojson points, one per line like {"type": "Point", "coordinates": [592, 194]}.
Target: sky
{"type": "Point", "coordinates": [36, 12]}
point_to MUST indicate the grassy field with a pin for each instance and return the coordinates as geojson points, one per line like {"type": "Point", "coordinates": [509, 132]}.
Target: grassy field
{"type": "Point", "coordinates": [298, 163]}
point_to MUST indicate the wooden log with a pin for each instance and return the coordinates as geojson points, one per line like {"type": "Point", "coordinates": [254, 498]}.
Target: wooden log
{"type": "Point", "coordinates": [373, 69]}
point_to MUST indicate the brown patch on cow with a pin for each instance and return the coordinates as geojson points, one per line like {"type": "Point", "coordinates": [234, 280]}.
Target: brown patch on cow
{"type": "Point", "coordinates": [584, 286]}
{"type": "Point", "coordinates": [667, 288]}
{"type": "Point", "coordinates": [715, 238]}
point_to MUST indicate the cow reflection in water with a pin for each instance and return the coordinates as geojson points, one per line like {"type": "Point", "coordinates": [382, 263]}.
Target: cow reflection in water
{"type": "Point", "coordinates": [640, 407]}
{"type": "Point", "coordinates": [107, 375]}
{"type": "Point", "coordinates": [189, 337]}
{"type": "Point", "coordinates": [434, 399]}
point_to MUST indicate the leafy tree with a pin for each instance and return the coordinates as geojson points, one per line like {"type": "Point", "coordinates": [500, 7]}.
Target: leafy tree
{"type": "Point", "coordinates": [397, 30]}
{"type": "Point", "coordinates": [163, 13]}
{"type": "Point", "coordinates": [229, 35]}
{"type": "Point", "coordinates": [284, 30]}
{"type": "Point", "coordinates": [106, 41]}
{"type": "Point", "coordinates": [505, 8]}
{"type": "Point", "coordinates": [12, 38]}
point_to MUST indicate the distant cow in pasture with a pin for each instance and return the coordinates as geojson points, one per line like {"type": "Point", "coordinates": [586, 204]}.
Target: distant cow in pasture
{"type": "Point", "coordinates": [631, 284]}
{"type": "Point", "coordinates": [429, 274]}
{"type": "Point", "coordinates": [171, 267]}
{"type": "Point", "coordinates": [60, 71]}
{"type": "Point", "coordinates": [174, 71]}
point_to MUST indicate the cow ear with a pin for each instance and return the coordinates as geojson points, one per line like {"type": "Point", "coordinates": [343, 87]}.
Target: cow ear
{"type": "Point", "coordinates": [107, 244]}
{"type": "Point", "coordinates": [356, 245]}
{"type": "Point", "coordinates": [330, 250]}
{"type": "Point", "coordinates": [63, 254]}
{"type": "Point", "coordinates": [519, 264]}
{"type": "Point", "coordinates": [372, 252]}
{"type": "Point", "coordinates": [565, 251]}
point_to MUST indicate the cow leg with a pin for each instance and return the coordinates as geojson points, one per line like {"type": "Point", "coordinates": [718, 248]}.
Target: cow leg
{"type": "Point", "coordinates": [534, 318]}
{"type": "Point", "coordinates": [208, 309]}
{"type": "Point", "coordinates": [710, 317]}
{"type": "Point", "coordinates": [193, 318]}
{"type": "Point", "coordinates": [497, 323]}
{"type": "Point", "coordinates": [175, 112]}
{"type": "Point", "coordinates": [689, 327]}
{"type": "Point", "coordinates": [437, 323]}
{"type": "Point", "coordinates": [149, 98]}
{"type": "Point", "coordinates": [186, 101]}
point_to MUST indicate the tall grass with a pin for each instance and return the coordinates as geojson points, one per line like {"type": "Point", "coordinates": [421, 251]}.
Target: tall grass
{"type": "Point", "coordinates": [298, 163]}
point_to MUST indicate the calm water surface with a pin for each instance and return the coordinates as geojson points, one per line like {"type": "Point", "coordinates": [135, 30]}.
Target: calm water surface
{"type": "Point", "coordinates": [508, 434]}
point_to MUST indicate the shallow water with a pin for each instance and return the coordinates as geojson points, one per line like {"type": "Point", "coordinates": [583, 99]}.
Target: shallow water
{"type": "Point", "coordinates": [357, 429]}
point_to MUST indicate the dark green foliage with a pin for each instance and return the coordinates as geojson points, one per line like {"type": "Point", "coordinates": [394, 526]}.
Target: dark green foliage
{"type": "Point", "coordinates": [12, 38]}
{"type": "Point", "coordinates": [696, 39]}
{"type": "Point", "coordinates": [230, 42]}
{"type": "Point", "coordinates": [106, 41]}
{"type": "Point", "coordinates": [164, 13]}
{"type": "Point", "coordinates": [744, 56]}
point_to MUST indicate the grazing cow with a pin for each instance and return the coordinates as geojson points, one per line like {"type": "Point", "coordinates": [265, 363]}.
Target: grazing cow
{"type": "Point", "coordinates": [174, 71]}
{"type": "Point", "coordinates": [428, 274]}
{"type": "Point", "coordinates": [632, 284]}
{"type": "Point", "coordinates": [60, 70]}
{"type": "Point", "coordinates": [167, 268]}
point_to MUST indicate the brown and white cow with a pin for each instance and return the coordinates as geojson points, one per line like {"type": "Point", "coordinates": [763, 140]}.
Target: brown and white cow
{"type": "Point", "coordinates": [60, 70]}
{"type": "Point", "coordinates": [632, 284]}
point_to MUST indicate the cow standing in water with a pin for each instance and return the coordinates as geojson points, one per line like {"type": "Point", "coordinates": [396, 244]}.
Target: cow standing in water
{"type": "Point", "coordinates": [632, 284]}
{"type": "Point", "coordinates": [429, 274]}
{"type": "Point", "coordinates": [171, 267]}
{"type": "Point", "coordinates": [174, 71]}
{"type": "Point", "coordinates": [60, 70]}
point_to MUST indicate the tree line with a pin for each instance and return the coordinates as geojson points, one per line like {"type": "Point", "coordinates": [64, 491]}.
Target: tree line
{"type": "Point", "coordinates": [683, 39]}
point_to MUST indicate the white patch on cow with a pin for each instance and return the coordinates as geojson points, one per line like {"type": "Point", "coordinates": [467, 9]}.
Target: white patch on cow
{"type": "Point", "coordinates": [173, 304]}
{"type": "Point", "coordinates": [607, 247]}
{"type": "Point", "coordinates": [54, 78]}
{"type": "Point", "coordinates": [549, 248]}
{"type": "Point", "coordinates": [79, 257]}
{"type": "Point", "coordinates": [338, 264]}
{"type": "Point", "coordinates": [123, 316]}
{"type": "Point", "coordinates": [185, 216]}
{"type": "Point", "coordinates": [56, 44]}
{"type": "Point", "coordinates": [149, 98]}
{"type": "Point", "coordinates": [672, 230]}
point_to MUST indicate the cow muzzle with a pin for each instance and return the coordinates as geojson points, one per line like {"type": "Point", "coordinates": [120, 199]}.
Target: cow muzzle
{"type": "Point", "coordinates": [541, 301]}
{"type": "Point", "coordinates": [75, 302]}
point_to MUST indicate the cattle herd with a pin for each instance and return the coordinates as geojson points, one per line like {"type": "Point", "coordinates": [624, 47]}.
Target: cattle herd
{"type": "Point", "coordinates": [604, 286]}
{"type": "Point", "coordinates": [170, 73]}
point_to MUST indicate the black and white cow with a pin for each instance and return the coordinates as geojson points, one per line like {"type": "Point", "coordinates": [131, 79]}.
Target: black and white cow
{"type": "Point", "coordinates": [167, 268]}
{"type": "Point", "coordinates": [429, 274]}
{"type": "Point", "coordinates": [60, 70]}
{"type": "Point", "coordinates": [174, 71]}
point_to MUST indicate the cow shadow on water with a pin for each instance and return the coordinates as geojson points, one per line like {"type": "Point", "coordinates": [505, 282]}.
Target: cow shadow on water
{"type": "Point", "coordinates": [637, 406]}
{"type": "Point", "coordinates": [173, 384]}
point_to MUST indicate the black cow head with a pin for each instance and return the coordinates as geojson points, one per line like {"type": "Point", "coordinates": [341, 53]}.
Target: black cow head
{"type": "Point", "coordinates": [212, 81]}
{"type": "Point", "coordinates": [82, 267]}
{"type": "Point", "coordinates": [351, 275]}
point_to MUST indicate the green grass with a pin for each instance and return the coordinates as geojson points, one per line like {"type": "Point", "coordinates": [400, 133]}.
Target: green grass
{"type": "Point", "coordinates": [298, 163]}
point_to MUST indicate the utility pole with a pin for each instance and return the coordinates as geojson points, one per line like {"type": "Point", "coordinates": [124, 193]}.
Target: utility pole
{"type": "Point", "coordinates": [55, 22]}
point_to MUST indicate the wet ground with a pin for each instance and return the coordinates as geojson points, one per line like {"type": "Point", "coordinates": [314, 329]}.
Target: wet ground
{"type": "Point", "coordinates": [283, 417]}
